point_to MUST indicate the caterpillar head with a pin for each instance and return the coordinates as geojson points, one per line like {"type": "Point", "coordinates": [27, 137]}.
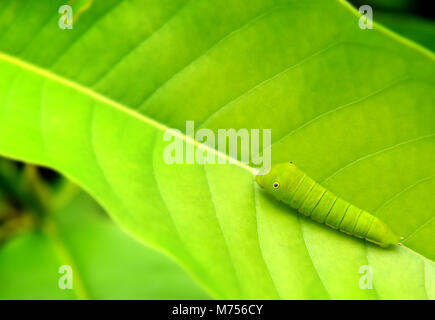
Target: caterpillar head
{"type": "Point", "coordinates": [279, 179]}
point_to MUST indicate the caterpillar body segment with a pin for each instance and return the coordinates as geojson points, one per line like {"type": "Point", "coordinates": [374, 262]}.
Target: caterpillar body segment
{"type": "Point", "coordinates": [289, 184]}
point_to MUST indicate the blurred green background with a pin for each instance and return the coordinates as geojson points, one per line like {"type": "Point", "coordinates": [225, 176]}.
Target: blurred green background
{"type": "Point", "coordinates": [47, 222]}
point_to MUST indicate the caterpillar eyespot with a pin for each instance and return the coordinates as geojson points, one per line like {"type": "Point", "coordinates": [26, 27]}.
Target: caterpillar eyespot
{"type": "Point", "coordinates": [311, 199]}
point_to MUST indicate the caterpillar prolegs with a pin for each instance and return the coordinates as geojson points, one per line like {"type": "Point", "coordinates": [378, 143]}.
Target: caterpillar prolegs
{"type": "Point", "coordinates": [289, 184]}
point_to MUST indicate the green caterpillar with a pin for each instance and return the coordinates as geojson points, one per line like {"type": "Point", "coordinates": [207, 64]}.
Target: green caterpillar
{"type": "Point", "coordinates": [289, 184]}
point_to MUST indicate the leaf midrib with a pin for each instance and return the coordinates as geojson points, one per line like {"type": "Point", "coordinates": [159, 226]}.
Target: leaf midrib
{"type": "Point", "coordinates": [99, 97]}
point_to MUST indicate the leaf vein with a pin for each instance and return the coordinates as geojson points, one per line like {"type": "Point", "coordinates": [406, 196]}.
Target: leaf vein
{"type": "Point", "coordinates": [377, 153]}
{"type": "Point", "coordinates": [214, 45]}
{"type": "Point", "coordinates": [335, 109]}
{"type": "Point", "coordinates": [261, 247]}
{"type": "Point", "coordinates": [136, 46]}
{"type": "Point", "coordinates": [277, 75]}
{"type": "Point", "coordinates": [227, 247]}
{"type": "Point", "coordinates": [309, 255]}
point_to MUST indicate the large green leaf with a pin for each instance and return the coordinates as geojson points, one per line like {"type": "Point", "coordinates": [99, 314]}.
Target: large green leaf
{"type": "Point", "coordinates": [107, 264]}
{"type": "Point", "coordinates": [352, 107]}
